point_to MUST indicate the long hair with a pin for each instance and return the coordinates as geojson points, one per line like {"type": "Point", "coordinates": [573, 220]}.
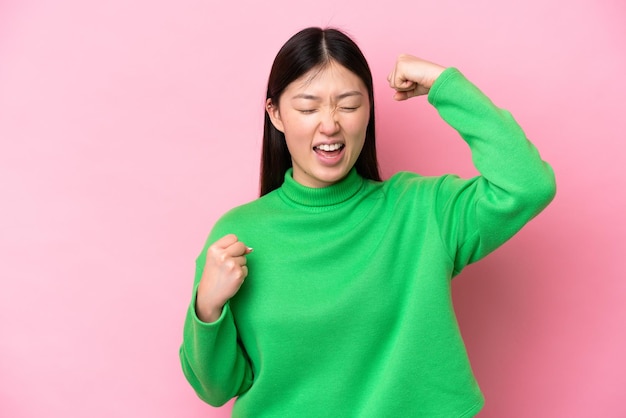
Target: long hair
{"type": "Point", "coordinates": [312, 48]}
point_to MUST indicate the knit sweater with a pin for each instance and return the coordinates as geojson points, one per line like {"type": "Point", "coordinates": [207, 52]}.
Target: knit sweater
{"type": "Point", "coordinates": [347, 310]}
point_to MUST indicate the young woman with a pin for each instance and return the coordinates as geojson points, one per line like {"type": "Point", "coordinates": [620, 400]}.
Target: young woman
{"type": "Point", "coordinates": [343, 308]}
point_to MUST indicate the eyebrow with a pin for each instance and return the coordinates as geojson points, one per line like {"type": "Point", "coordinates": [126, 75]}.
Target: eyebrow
{"type": "Point", "coordinates": [338, 97]}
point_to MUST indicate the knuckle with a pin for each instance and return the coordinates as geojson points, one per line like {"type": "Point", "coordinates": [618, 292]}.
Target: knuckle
{"type": "Point", "coordinates": [230, 264]}
{"type": "Point", "coordinates": [213, 253]}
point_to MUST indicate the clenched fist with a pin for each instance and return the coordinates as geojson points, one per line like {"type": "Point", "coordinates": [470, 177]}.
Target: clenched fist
{"type": "Point", "coordinates": [224, 272]}
{"type": "Point", "coordinates": [413, 76]}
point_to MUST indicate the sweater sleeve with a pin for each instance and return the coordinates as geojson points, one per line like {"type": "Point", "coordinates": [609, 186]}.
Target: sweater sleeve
{"type": "Point", "coordinates": [515, 184]}
{"type": "Point", "coordinates": [211, 356]}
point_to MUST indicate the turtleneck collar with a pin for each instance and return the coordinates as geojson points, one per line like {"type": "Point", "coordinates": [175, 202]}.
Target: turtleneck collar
{"type": "Point", "coordinates": [319, 197]}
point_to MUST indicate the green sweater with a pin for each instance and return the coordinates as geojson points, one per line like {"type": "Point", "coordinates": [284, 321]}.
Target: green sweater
{"type": "Point", "coordinates": [346, 311]}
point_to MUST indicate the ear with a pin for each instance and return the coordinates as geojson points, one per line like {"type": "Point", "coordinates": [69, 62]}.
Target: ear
{"type": "Point", "coordinates": [274, 114]}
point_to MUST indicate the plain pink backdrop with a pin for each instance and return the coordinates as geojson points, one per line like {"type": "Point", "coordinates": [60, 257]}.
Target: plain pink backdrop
{"type": "Point", "coordinates": [128, 127]}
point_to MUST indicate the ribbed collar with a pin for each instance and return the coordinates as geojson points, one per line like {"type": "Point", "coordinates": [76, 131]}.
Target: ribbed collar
{"type": "Point", "coordinates": [324, 196]}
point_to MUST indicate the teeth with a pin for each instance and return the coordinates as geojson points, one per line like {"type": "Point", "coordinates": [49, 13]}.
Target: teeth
{"type": "Point", "coordinates": [329, 147]}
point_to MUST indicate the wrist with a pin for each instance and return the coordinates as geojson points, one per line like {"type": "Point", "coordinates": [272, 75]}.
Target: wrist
{"type": "Point", "coordinates": [208, 312]}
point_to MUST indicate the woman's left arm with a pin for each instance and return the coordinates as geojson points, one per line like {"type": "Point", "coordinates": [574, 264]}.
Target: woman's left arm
{"type": "Point", "coordinates": [515, 184]}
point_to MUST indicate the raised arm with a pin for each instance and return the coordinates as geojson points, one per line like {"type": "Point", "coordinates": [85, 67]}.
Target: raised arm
{"type": "Point", "coordinates": [515, 184]}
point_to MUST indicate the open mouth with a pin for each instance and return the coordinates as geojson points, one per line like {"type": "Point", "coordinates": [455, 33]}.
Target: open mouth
{"type": "Point", "coordinates": [329, 150]}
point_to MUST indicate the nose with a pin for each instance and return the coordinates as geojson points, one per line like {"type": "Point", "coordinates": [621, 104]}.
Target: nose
{"type": "Point", "coordinates": [329, 125]}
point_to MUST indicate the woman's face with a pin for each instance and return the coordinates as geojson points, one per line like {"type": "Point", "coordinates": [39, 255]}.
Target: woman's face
{"type": "Point", "coordinates": [324, 116]}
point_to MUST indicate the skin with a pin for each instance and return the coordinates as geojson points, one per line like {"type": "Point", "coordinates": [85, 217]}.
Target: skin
{"type": "Point", "coordinates": [325, 106]}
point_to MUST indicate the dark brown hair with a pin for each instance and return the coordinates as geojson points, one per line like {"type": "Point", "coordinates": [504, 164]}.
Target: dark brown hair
{"type": "Point", "coordinates": [310, 48]}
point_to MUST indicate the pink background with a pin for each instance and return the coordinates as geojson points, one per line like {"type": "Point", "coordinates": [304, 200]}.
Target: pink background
{"type": "Point", "coordinates": [128, 127]}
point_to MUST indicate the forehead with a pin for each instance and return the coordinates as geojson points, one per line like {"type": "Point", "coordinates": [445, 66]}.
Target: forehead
{"type": "Point", "coordinates": [332, 78]}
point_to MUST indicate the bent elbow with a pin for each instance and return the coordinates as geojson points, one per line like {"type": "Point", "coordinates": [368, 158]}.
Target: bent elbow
{"type": "Point", "coordinates": [212, 398]}
{"type": "Point", "coordinates": [546, 189]}
{"type": "Point", "coordinates": [539, 196]}
{"type": "Point", "coordinates": [212, 394]}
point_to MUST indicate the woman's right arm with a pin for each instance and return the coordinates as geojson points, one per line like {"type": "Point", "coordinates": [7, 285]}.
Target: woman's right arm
{"type": "Point", "coordinates": [211, 357]}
